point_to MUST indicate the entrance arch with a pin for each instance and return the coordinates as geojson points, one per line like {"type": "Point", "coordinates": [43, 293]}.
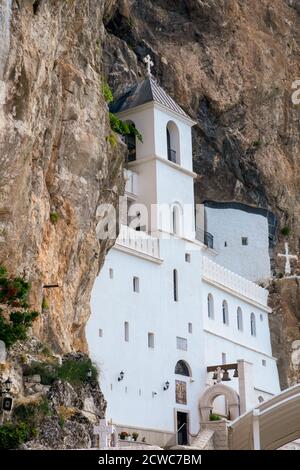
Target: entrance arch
{"type": "Point", "coordinates": [209, 395]}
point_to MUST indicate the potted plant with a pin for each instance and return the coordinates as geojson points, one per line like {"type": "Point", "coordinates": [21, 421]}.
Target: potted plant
{"type": "Point", "coordinates": [214, 417]}
{"type": "Point", "coordinates": [135, 436]}
{"type": "Point", "coordinates": [123, 435]}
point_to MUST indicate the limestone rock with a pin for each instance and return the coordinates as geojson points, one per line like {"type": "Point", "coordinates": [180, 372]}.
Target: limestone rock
{"type": "Point", "coordinates": [53, 127]}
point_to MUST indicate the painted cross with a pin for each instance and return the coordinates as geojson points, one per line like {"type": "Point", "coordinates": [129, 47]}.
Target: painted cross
{"type": "Point", "coordinates": [149, 63]}
{"type": "Point", "coordinates": [288, 258]}
{"type": "Point", "coordinates": [107, 434]}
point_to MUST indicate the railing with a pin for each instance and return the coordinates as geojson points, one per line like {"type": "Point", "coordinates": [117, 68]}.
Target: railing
{"type": "Point", "coordinates": [131, 179]}
{"type": "Point", "coordinates": [205, 237]}
{"type": "Point", "coordinates": [216, 273]}
{"type": "Point", "coordinates": [138, 241]}
{"type": "Point", "coordinates": [172, 155]}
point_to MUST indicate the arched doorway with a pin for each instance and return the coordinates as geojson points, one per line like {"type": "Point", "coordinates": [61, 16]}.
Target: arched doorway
{"type": "Point", "coordinates": [207, 401]}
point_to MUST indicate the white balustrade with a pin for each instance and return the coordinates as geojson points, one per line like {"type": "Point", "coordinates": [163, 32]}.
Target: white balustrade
{"type": "Point", "coordinates": [216, 273]}
{"type": "Point", "coordinates": [138, 241]}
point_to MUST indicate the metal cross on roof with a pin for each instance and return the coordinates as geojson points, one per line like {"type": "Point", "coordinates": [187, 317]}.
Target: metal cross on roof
{"type": "Point", "coordinates": [149, 63]}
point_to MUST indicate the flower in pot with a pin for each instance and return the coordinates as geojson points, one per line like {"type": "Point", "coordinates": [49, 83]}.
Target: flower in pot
{"type": "Point", "coordinates": [123, 435]}
{"type": "Point", "coordinates": [135, 436]}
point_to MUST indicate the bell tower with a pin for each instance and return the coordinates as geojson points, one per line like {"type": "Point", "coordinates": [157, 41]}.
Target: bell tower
{"type": "Point", "coordinates": [163, 160]}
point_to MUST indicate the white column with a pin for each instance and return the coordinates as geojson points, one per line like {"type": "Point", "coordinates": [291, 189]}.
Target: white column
{"type": "Point", "coordinates": [246, 385]}
{"type": "Point", "coordinates": [256, 430]}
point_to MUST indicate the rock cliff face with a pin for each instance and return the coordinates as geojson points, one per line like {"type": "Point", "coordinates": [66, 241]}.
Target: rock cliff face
{"type": "Point", "coordinates": [229, 63]}
{"type": "Point", "coordinates": [56, 165]}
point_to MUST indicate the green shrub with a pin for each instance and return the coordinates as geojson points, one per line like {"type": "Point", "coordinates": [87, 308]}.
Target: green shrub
{"type": "Point", "coordinates": [45, 304]}
{"type": "Point", "coordinates": [54, 217]}
{"type": "Point", "coordinates": [13, 291]}
{"type": "Point", "coordinates": [257, 143]}
{"type": "Point", "coordinates": [123, 128]}
{"type": "Point", "coordinates": [12, 436]}
{"type": "Point", "coordinates": [71, 370]}
{"type": "Point", "coordinates": [112, 139]}
{"type": "Point", "coordinates": [76, 371]}
{"type": "Point", "coordinates": [107, 93]}
{"type": "Point", "coordinates": [48, 372]}
{"type": "Point", "coordinates": [214, 417]}
{"type": "Point", "coordinates": [285, 231]}
{"type": "Point", "coordinates": [16, 328]}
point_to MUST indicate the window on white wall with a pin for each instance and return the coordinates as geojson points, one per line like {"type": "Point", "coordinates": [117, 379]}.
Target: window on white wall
{"type": "Point", "coordinates": [100, 332]}
{"type": "Point", "coordinates": [126, 331]}
{"type": "Point", "coordinates": [187, 257]}
{"type": "Point", "coordinates": [261, 317]}
{"type": "Point", "coordinates": [210, 306]}
{"type": "Point", "coordinates": [151, 340]}
{"type": "Point", "coordinates": [190, 328]}
{"type": "Point", "coordinates": [253, 324]}
{"type": "Point", "coordinates": [225, 313]}
{"type": "Point", "coordinates": [244, 241]}
{"type": "Point", "coordinates": [224, 358]}
{"type": "Point", "coordinates": [175, 285]}
{"type": "Point", "coordinates": [111, 273]}
{"type": "Point", "coordinates": [136, 284]}
{"type": "Point", "coordinates": [239, 319]}
{"type": "Point", "coordinates": [173, 142]}
{"type": "Point", "coordinates": [264, 362]}
{"type": "Point", "coordinates": [181, 343]}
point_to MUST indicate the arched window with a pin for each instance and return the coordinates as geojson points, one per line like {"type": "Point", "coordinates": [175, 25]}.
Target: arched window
{"type": "Point", "coordinates": [253, 324]}
{"type": "Point", "coordinates": [175, 285]}
{"type": "Point", "coordinates": [176, 219]}
{"type": "Point", "coordinates": [173, 144]}
{"type": "Point", "coordinates": [210, 306]}
{"type": "Point", "coordinates": [239, 319]}
{"type": "Point", "coordinates": [130, 141]}
{"type": "Point", "coordinates": [225, 312]}
{"type": "Point", "coordinates": [182, 368]}
{"type": "Point", "coordinates": [260, 399]}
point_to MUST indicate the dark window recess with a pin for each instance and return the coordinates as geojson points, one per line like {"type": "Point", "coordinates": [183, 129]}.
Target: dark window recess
{"type": "Point", "coordinates": [244, 241]}
{"type": "Point", "coordinates": [181, 368]}
{"type": "Point", "coordinates": [130, 141]}
{"type": "Point", "coordinates": [171, 152]}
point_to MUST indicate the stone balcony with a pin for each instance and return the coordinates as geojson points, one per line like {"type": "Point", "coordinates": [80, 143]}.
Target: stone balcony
{"type": "Point", "coordinates": [139, 243]}
{"type": "Point", "coordinates": [213, 272]}
{"type": "Point", "coordinates": [131, 183]}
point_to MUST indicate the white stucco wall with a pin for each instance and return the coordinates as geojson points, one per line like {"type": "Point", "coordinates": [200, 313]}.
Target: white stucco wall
{"type": "Point", "coordinates": [151, 310]}
{"type": "Point", "coordinates": [230, 225]}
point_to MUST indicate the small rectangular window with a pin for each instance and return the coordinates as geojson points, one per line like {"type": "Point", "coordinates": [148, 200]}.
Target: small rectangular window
{"type": "Point", "coordinates": [126, 331]}
{"type": "Point", "coordinates": [151, 340]}
{"type": "Point", "coordinates": [111, 273]}
{"type": "Point", "coordinates": [190, 327]}
{"type": "Point", "coordinates": [224, 358]}
{"type": "Point", "coordinates": [244, 241]}
{"type": "Point", "coordinates": [187, 258]}
{"type": "Point", "coordinates": [181, 343]}
{"type": "Point", "coordinates": [136, 284]}
{"type": "Point", "coordinates": [264, 362]}
{"type": "Point", "coordinates": [100, 332]}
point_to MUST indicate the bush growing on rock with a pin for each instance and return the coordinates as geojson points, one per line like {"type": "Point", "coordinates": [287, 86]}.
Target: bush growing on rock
{"type": "Point", "coordinates": [14, 292]}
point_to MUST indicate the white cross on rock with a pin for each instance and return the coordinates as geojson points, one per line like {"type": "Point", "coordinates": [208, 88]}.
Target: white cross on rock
{"type": "Point", "coordinates": [149, 63]}
{"type": "Point", "coordinates": [288, 258]}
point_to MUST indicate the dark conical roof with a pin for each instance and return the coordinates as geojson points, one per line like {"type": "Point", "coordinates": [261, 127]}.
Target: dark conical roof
{"type": "Point", "coordinates": [144, 92]}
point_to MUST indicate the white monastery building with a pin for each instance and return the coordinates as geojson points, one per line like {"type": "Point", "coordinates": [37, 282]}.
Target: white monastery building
{"type": "Point", "coordinates": [176, 332]}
